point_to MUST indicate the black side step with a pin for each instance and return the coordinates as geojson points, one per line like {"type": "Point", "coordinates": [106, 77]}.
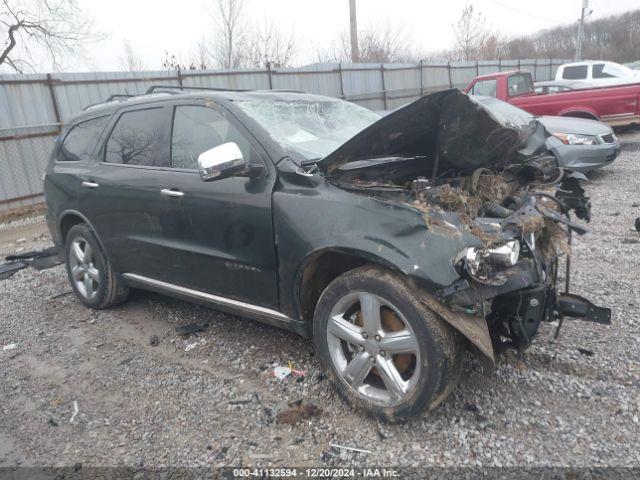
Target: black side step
{"type": "Point", "coordinates": [575, 306]}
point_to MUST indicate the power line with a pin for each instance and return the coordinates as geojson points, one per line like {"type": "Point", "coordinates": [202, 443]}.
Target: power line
{"type": "Point", "coordinates": [508, 7]}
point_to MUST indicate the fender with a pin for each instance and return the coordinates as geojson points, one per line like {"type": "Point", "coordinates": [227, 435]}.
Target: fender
{"type": "Point", "coordinates": [76, 213]}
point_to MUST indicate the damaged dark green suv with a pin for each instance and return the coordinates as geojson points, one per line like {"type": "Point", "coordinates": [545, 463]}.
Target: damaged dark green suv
{"type": "Point", "coordinates": [394, 243]}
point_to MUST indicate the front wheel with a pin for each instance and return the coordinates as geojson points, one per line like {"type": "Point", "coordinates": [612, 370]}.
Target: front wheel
{"type": "Point", "coordinates": [382, 348]}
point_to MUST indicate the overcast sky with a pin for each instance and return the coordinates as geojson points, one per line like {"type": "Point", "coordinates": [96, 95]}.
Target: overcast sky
{"type": "Point", "coordinates": [152, 26]}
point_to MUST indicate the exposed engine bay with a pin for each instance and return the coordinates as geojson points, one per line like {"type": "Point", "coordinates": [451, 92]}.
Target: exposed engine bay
{"type": "Point", "coordinates": [466, 170]}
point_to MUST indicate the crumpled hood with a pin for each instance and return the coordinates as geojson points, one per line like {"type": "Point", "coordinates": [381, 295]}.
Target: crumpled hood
{"type": "Point", "coordinates": [451, 130]}
{"type": "Point", "coordinates": [574, 125]}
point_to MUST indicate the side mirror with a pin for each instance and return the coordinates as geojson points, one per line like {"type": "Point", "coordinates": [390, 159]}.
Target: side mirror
{"type": "Point", "coordinates": [220, 162]}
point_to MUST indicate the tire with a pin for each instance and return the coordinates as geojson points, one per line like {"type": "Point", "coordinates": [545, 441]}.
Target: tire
{"type": "Point", "coordinates": [91, 275]}
{"type": "Point", "coordinates": [424, 351]}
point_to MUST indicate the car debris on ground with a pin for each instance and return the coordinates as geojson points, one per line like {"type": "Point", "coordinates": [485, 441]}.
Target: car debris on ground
{"type": "Point", "coordinates": [349, 449]}
{"type": "Point", "coordinates": [190, 329]}
{"type": "Point", "coordinates": [190, 346]}
{"type": "Point", "coordinates": [40, 260]}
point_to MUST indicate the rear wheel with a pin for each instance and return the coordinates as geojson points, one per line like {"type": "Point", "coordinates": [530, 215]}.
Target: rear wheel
{"type": "Point", "coordinates": [90, 273]}
{"type": "Point", "coordinates": [383, 349]}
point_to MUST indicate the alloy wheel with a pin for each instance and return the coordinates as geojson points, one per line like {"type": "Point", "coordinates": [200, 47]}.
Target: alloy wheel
{"type": "Point", "coordinates": [84, 272]}
{"type": "Point", "coordinates": [373, 348]}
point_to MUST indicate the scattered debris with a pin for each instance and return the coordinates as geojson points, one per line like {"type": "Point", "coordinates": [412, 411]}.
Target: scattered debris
{"type": "Point", "coordinates": [58, 295]}
{"type": "Point", "coordinates": [281, 372]}
{"type": "Point", "coordinates": [471, 407]}
{"type": "Point", "coordinates": [638, 224]}
{"type": "Point", "coordinates": [383, 433]}
{"type": "Point", "coordinates": [154, 341]}
{"type": "Point", "coordinates": [186, 330]}
{"type": "Point", "coordinates": [11, 346]}
{"type": "Point", "coordinates": [7, 269]}
{"type": "Point", "coordinates": [53, 423]}
{"type": "Point", "coordinates": [40, 259]}
{"type": "Point", "coordinates": [240, 401]}
{"type": "Point", "coordinates": [75, 411]}
{"type": "Point", "coordinates": [298, 413]}
{"type": "Point", "coordinates": [630, 241]}
{"type": "Point", "coordinates": [584, 351]}
{"type": "Point", "coordinates": [350, 449]}
{"type": "Point", "coordinates": [191, 346]}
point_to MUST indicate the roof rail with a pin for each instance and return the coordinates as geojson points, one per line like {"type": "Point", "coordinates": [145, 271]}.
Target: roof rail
{"type": "Point", "coordinates": [110, 98]}
{"type": "Point", "coordinates": [174, 89]}
{"type": "Point", "coordinates": [115, 96]}
{"type": "Point", "coordinates": [168, 88]}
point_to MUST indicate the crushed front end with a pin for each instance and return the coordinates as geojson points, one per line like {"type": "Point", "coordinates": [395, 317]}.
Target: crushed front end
{"type": "Point", "coordinates": [471, 174]}
{"type": "Point", "coordinates": [525, 224]}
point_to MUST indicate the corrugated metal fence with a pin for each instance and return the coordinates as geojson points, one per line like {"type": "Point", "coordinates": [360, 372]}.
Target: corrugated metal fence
{"type": "Point", "coordinates": [33, 108]}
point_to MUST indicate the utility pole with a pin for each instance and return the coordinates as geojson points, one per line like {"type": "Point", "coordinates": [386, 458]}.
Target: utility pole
{"type": "Point", "coordinates": [355, 54]}
{"type": "Point", "coordinates": [583, 15]}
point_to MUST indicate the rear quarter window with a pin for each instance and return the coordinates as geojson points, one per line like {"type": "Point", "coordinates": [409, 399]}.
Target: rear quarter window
{"type": "Point", "coordinates": [578, 72]}
{"type": "Point", "coordinates": [79, 143]}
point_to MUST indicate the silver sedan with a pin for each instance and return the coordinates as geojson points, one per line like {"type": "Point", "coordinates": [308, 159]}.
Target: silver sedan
{"type": "Point", "coordinates": [577, 143]}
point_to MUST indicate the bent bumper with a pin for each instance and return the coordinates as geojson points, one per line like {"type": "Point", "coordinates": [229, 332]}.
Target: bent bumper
{"type": "Point", "coordinates": [585, 158]}
{"type": "Point", "coordinates": [520, 305]}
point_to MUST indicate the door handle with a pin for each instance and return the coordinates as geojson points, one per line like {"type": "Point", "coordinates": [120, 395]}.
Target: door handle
{"type": "Point", "coordinates": [167, 192]}
{"type": "Point", "coordinates": [90, 184]}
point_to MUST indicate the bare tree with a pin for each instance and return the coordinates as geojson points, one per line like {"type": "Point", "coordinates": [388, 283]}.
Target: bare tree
{"type": "Point", "coordinates": [230, 42]}
{"type": "Point", "coordinates": [613, 38]}
{"type": "Point", "coordinates": [238, 42]}
{"type": "Point", "coordinates": [377, 44]}
{"type": "Point", "coordinates": [131, 61]}
{"type": "Point", "coordinates": [201, 57]}
{"type": "Point", "coordinates": [55, 28]}
{"type": "Point", "coordinates": [268, 46]}
{"type": "Point", "coordinates": [470, 31]}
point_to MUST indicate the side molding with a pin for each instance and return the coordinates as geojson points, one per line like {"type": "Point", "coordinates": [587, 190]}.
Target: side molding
{"type": "Point", "coordinates": [261, 314]}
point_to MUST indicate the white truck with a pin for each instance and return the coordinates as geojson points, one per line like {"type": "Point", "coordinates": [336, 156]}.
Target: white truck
{"type": "Point", "coordinates": [597, 73]}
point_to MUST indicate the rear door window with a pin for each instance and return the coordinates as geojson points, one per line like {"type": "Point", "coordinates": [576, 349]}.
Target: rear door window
{"type": "Point", "coordinates": [578, 72]}
{"type": "Point", "coordinates": [197, 129]}
{"type": "Point", "coordinates": [81, 140]}
{"type": "Point", "coordinates": [139, 138]}
{"type": "Point", "coordinates": [486, 88]}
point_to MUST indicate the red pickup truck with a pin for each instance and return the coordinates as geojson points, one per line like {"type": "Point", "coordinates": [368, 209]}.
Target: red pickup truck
{"type": "Point", "coordinates": [616, 105]}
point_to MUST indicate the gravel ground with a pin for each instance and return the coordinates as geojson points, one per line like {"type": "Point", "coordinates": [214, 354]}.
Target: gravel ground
{"type": "Point", "coordinates": [218, 403]}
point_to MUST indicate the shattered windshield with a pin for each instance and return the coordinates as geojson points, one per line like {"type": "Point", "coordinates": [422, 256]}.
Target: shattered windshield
{"type": "Point", "coordinates": [311, 128]}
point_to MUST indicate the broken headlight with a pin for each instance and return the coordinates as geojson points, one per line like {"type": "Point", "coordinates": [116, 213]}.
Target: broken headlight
{"type": "Point", "coordinates": [576, 139]}
{"type": "Point", "coordinates": [480, 263]}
